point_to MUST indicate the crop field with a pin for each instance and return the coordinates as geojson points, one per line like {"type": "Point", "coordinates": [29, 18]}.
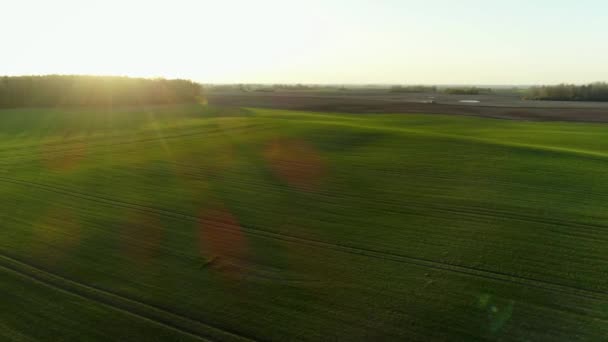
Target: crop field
{"type": "Point", "coordinates": [188, 223]}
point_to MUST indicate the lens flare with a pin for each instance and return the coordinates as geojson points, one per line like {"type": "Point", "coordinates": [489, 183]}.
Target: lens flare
{"type": "Point", "coordinates": [498, 312]}
{"type": "Point", "coordinates": [222, 242]}
{"type": "Point", "coordinates": [63, 158]}
{"type": "Point", "coordinates": [296, 163]}
{"type": "Point", "coordinates": [56, 234]}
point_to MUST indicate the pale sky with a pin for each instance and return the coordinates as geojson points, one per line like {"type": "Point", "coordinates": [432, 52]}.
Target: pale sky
{"type": "Point", "coordinates": [310, 41]}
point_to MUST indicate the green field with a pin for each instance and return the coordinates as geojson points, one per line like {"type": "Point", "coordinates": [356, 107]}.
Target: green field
{"type": "Point", "coordinates": [188, 223]}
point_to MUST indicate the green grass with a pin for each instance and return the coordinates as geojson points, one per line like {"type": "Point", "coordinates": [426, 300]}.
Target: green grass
{"type": "Point", "coordinates": [184, 222]}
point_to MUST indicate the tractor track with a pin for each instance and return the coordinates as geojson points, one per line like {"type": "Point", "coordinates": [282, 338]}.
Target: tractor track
{"type": "Point", "coordinates": [24, 156]}
{"type": "Point", "coordinates": [370, 253]}
{"type": "Point", "coordinates": [167, 318]}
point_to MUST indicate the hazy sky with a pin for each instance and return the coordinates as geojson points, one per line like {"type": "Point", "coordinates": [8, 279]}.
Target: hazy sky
{"type": "Point", "coordinates": [311, 41]}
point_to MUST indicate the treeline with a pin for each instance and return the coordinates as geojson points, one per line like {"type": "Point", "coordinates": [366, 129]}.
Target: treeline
{"type": "Point", "coordinates": [413, 89]}
{"type": "Point", "coordinates": [434, 89]}
{"type": "Point", "coordinates": [468, 91]}
{"type": "Point", "coordinates": [569, 92]}
{"type": "Point", "coordinates": [61, 90]}
{"type": "Point", "coordinates": [252, 87]}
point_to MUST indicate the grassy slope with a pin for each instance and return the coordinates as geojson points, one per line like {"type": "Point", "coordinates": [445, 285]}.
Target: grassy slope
{"type": "Point", "coordinates": [259, 224]}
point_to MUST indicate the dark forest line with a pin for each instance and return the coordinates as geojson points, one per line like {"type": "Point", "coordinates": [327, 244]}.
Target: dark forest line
{"type": "Point", "coordinates": [73, 90]}
{"type": "Point", "coordinates": [569, 92]}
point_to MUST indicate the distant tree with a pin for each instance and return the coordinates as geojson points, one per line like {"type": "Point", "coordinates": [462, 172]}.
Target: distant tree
{"type": "Point", "coordinates": [413, 89]}
{"type": "Point", "coordinates": [468, 91]}
{"type": "Point", "coordinates": [4, 95]}
{"type": "Point", "coordinates": [292, 87]}
{"type": "Point", "coordinates": [68, 90]}
{"type": "Point", "coordinates": [569, 92]}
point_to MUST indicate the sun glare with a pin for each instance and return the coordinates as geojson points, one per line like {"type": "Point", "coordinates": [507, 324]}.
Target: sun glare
{"type": "Point", "coordinates": [273, 41]}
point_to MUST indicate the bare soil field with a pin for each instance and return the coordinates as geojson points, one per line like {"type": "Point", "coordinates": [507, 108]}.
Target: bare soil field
{"type": "Point", "coordinates": [507, 106]}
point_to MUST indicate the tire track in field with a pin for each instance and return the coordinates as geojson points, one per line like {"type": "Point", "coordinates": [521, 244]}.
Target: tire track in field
{"type": "Point", "coordinates": [134, 142]}
{"type": "Point", "coordinates": [103, 138]}
{"type": "Point", "coordinates": [131, 142]}
{"type": "Point", "coordinates": [485, 179]}
{"type": "Point", "coordinates": [136, 308]}
{"type": "Point", "coordinates": [588, 231]}
{"type": "Point", "coordinates": [377, 254]}
{"type": "Point", "coordinates": [471, 211]}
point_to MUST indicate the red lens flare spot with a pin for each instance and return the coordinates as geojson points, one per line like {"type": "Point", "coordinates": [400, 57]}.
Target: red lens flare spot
{"type": "Point", "coordinates": [63, 158]}
{"type": "Point", "coordinates": [296, 163]}
{"type": "Point", "coordinates": [57, 234]}
{"type": "Point", "coordinates": [222, 242]}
